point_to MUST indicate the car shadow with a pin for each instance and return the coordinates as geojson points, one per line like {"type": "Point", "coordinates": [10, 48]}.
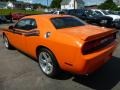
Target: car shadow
{"type": "Point", "coordinates": [104, 79]}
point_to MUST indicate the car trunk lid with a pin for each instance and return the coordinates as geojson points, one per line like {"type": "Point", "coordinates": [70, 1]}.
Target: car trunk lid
{"type": "Point", "coordinates": [88, 32]}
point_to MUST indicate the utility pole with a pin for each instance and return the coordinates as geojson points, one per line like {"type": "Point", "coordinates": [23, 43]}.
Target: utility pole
{"type": "Point", "coordinates": [47, 2]}
{"type": "Point", "coordinates": [74, 4]}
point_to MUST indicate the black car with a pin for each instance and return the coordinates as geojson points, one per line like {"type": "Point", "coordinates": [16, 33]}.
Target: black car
{"type": "Point", "coordinates": [90, 16]}
{"type": "Point", "coordinates": [5, 19]}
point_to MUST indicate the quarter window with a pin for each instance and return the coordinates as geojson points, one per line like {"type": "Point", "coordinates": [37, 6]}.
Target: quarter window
{"type": "Point", "coordinates": [26, 24]}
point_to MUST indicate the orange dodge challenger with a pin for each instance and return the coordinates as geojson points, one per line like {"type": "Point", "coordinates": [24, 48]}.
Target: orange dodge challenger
{"type": "Point", "coordinates": [62, 42]}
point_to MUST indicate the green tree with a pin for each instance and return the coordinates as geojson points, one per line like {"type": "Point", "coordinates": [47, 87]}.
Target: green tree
{"type": "Point", "coordinates": [108, 4]}
{"type": "Point", "coordinates": [35, 6]}
{"type": "Point", "coordinates": [55, 4]}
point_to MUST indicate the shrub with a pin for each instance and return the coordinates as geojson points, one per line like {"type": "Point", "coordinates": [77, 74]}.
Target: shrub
{"type": "Point", "coordinates": [8, 11]}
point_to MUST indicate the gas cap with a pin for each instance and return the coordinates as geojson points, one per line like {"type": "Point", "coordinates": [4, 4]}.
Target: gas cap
{"type": "Point", "coordinates": [47, 34]}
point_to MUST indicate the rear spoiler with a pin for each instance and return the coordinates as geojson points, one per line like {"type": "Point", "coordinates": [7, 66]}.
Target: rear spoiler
{"type": "Point", "coordinates": [90, 38]}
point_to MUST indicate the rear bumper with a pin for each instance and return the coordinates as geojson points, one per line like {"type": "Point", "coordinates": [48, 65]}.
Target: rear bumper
{"type": "Point", "coordinates": [94, 64]}
{"type": "Point", "coordinates": [90, 63]}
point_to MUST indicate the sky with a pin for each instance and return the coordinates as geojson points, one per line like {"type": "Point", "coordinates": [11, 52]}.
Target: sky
{"type": "Point", "coordinates": [44, 2]}
{"type": "Point", "coordinates": [93, 2]}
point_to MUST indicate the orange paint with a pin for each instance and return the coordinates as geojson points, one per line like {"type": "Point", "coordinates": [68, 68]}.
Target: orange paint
{"type": "Point", "coordinates": [66, 44]}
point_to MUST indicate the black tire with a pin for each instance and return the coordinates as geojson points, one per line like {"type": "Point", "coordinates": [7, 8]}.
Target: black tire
{"type": "Point", "coordinates": [117, 26]}
{"type": "Point", "coordinates": [55, 69]}
{"type": "Point", "coordinates": [7, 43]}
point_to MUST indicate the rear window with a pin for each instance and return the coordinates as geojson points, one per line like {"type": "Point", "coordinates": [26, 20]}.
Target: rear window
{"type": "Point", "coordinates": [66, 22]}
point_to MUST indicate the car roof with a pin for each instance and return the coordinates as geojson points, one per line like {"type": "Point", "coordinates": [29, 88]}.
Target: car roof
{"type": "Point", "coordinates": [96, 9]}
{"type": "Point", "coordinates": [75, 9]}
{"type": "Point", "coordinates": [47, 16]}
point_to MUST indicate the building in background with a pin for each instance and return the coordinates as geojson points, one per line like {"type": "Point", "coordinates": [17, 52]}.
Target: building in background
{"type": "Point", "coordinates": [72, 4]}
{"type": "Point", "coordinates": [22, 5]}
{"type": "Point", "coordinates": [10, 5]}
{"type": "Point", "coordinates": [6, 5]}
{"type": "Point", "coordinates": [15, 5]}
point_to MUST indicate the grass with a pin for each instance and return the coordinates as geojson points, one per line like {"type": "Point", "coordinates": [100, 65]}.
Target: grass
{"type": "Point", "coordinates": [8, 11]}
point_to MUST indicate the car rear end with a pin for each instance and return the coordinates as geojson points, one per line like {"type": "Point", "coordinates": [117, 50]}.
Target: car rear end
{"type": "Point", "coordinates": [95, 53]}
{"type": "Point", "coordinates": [91, 47]}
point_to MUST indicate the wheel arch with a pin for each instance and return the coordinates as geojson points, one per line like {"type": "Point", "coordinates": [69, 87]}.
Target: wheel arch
{"type": "Point", "coordinates": [42, 46]}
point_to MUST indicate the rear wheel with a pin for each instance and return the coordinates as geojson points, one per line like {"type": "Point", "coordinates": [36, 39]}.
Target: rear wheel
{"type": "Point", "coordinates": [6, 42]}
{"type": "Point", "coordinates": [48, 63]}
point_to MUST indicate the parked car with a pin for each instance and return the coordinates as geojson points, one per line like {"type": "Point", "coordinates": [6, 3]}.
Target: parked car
{"type": "Point", "coordinates": [107, 13]}
{"type": "Point", "coordinates": [62, 42]}
{"type": "Point", "coordinates": [28, 8]}
{"type": "Point", "coordinates": [59, 12]}
{"type": "Point", "coordinates": [4, 19]}
{"type": "Point", "coordinates": [17, 16]}
{"type": "Point", "coordinates": [118, 13]}
{"type": "Point", "coordinates": [117, 24]}
{"type": "Point", "coordinates": [9, 18]}
{"type": "Point", "coordinates": [90, 16]}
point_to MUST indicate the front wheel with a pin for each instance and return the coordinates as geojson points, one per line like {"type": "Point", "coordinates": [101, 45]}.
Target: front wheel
{"type": "Point", "coordinates": [48, 63]}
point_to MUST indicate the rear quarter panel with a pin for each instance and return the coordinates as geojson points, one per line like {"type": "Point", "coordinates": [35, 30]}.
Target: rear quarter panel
{"type": "Point", "coordinates": [65, 48]}
{"type": "Point", "coordinates": [6, 32]}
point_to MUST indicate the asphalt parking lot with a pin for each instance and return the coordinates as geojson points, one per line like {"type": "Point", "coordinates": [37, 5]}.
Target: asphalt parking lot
{"type": "Point", "coordinates": [20, 72]}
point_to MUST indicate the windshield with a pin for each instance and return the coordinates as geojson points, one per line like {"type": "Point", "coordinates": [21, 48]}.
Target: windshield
{"type": "Point", "coordinates": [83, 12]}
{"type": "Point", "coordinates": [66, 22]}
{"type": "Point", "coordinates": [99, 13]}
{"type": "Point", "coordinates": [111, 12]}
{"type": "Point", "coordinates": [91, 13]}
{"type": "Point", "coordinates": [105, 12]}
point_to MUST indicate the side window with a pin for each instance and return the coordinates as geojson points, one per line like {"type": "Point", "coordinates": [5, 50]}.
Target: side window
{"type": "Point", "coordinates": [20, 24]}
{"type": "Point", "coordinates": [61, 12]}
{"type": "Point", "coordinates": [26, 24]}
{"type": "Point", "coordinates": [33, 24]}
{"type": "Point", "coordinates": [99, 13]}
{"type": "Point", "coordinates": [30, 24]}
{"type": "Point", "coordinates": [72, 12]}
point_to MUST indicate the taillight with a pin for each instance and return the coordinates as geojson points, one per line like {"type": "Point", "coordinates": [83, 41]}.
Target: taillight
{"type": "Point", "coordinates": [91, 46]}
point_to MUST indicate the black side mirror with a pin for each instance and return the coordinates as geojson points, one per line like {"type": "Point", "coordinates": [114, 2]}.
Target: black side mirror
{"type": "Point", "coordinates": [11, 27]}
